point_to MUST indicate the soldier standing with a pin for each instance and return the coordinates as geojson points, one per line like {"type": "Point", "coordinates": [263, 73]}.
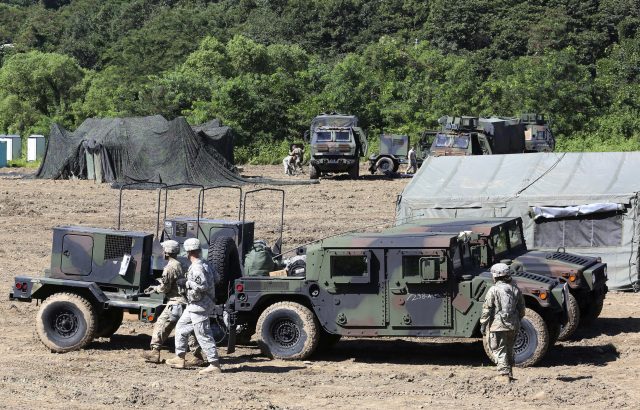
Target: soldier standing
{"type": "Point", "coordinates": [298, 153]}
{"type": "Point", "coordinates": [501, 313]}
{"type": "Point", "coordinates": [413, 162]}
{"type": "Point", "coordinates": [200, 285]}
{"type": "Point", "coordinates": [175, 304]}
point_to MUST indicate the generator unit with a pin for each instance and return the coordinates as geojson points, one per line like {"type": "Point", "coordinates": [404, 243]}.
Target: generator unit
{"type": "Point", "coordinates": [104, 256]}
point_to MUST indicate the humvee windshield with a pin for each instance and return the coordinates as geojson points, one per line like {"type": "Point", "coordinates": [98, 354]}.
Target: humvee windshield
{"type": "Point", "coordinates": [342, 136]}
{"type": "Point", "coordinates": [515, 239]}
{"type": "Point", "coordinates": [323, 136]}
{"type": "Point", "coordinates": [499, 241]}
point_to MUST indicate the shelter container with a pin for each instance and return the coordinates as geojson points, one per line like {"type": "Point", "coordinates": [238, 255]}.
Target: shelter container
{"type": "Point", "coordinates": [586, 203]}
{"type": "Point", "coordinates": [36, 147]}
{"type": "Point", "coordinates": [14, 146]}
{"type": "Point", "coordinates": [3, 154]}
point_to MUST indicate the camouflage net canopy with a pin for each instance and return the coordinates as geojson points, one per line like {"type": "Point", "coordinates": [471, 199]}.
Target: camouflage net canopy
{"type": "Point", "coordinates": [144, 149]}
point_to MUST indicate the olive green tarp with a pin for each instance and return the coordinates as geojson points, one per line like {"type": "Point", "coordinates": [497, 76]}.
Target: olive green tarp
{"type": "Point", "coordinates": [144, 149]}
{"type": "Point", "coordinates": [584, 202]}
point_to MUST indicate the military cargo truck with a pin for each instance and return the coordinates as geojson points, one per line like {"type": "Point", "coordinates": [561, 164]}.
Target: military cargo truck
{"type": "Point", "coordinates": [585, 276]}
{"type": "Point", "coordinates": [537, 134]}
{"type": "Point", "coordinates": [336, 143]}
{"type": "Point", "coordinates": [388, 284]}
{"type": "Point", "coordinates": [478, 136]}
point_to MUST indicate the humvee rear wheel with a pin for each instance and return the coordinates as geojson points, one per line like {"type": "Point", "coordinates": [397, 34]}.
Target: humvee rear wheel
{"type": "Point", "coordinates": [573, 320]}
{"type": "Point", "coordinates": [287, 330]}
{"type": "Point", "coordinates": [109, 322]}
{"type": "Point", "coordinates": [66, 322]}
{"type": "Point", "coordinates": [314, 173]}
{"type": "Point", "coordinates": [532, 340]}
{"type": "Point", "coordinates": [223, 257]}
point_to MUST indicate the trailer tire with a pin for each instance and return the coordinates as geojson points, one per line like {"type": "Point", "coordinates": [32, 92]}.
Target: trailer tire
{"type": "Point", "coordinates": [314, 173]}
{"type": "Point", "coordinates": [386, 165]}
{"type": "Point", "coordinates": [109, 322]}
{"type": "Point", "coordinates": [573, 312]}
{"type": "Point", "coordinates": [66, 322]}
{"type": "Point", "coordinates": [288, 331]}
{"type": "Point", "coordinates": [223, 257]}
{"type": "Point", "coordinates": [532, 340]}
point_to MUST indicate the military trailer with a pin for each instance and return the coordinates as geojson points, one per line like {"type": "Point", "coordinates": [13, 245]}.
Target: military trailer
{"type": "Point", "coordinates": [478, 136]}
{"type": "Point", "coordinates": [537, 134]}
{"type": "Point", "coordinates": [96, 275]}
{"type": "Point", "coordinates": [336, 143]}
{"type": "Point", "coordinates": [585, 276]}
{"type": "Point", "coordinates": [394, 151]}
{"type": "Point", "coordinates": [389, 284]}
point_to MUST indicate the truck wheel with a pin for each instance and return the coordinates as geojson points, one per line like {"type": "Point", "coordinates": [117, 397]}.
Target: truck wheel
{"type": "Point", "coordinates": [593, 310]}
{"type": "Point", "coordinates": [554, 331]}
{"type": "Point", "coordinates": [223, 257]}
{"type": "Point", "coordinates": [66, 322]}
{"type": "Point", "coordinates": [327, 340]}
{"type": "Point", "coordinates": [573, 311]}
{"type": "Point", "coordinates": [314, 173]}
{"type": "Point", "coordinates": [532, 340]}
{"type": "Point", "coordinates": [385, 165]}
{"type": "Point", "coordinates": [109, 322]}
{"type": "Point", "coordinates": [354, 171]}
{"type": "Point", "coordinates": [287, 330]}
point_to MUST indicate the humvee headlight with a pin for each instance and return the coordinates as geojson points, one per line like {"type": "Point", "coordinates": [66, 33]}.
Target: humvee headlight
{"type": "Point", "coordinates": [543, 295]}
{"type": "Point", "coordinates": [573, 277]}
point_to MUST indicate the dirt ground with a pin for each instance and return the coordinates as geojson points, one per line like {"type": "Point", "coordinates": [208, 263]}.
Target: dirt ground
{"type": "Point", "coordinates": [599, 369]}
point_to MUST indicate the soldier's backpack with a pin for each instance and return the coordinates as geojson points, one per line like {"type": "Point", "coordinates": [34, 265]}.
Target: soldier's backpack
{"type": "Point", "coordinates": [259, 261]}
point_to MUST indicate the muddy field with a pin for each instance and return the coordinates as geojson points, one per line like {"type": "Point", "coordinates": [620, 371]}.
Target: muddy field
{"type": "Point", "coordinates": [599, 369]}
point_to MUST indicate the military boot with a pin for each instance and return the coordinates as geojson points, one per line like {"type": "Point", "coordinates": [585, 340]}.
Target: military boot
{"type": "Point", "coordinates": [194, 361]}
{"type": "Point", "coordinates": [177, 362]}
{"type": "Point", "coordinates": [503, 378]}
{"type": "Point", "coordinates": [152, 356]}
{"type": "Point", "coordinates": [213, 368]}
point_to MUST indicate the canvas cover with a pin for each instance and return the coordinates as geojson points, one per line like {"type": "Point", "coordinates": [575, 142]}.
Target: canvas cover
{"type": "Point", "coordinates": [334, 120]}
{"type": "Point", "coordinates": [219, 137]}
{"type": "Point", "coordinates": [513, 185]}
{"type": "Point", "coordinates": [137, 149]}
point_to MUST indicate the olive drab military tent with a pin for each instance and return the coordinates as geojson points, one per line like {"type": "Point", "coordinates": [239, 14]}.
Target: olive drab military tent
{"type": "Point", "coordinates": [586, 203]}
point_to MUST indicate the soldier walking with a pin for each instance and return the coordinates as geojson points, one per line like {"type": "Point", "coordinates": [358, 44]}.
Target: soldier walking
{"type": "Point", "coordinates": [176, 301]}
{"type": "Point", "coordinates": [501, 314]}
{"type": "Point", "coordinates": [200, 286]}
{"type": "Point", "coordinates": [413, 161]}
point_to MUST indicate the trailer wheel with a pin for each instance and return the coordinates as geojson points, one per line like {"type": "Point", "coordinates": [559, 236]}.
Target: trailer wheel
{"type": "Point", "coordinates": [532, 341]}
{"type": "Point", "coordinates": [287, 330]}
{"type": "Point", "coordinates": [573, 311]}
{"type": "Point", "coordinates": [223, 257]}
{"type": "Point", "coordinates": [314, 173]}
{"type": "Point", "coordinates": [66, 322]}
{"type": "Point", "coordinates": [109, 322]}
{"type": "Point", "coordinates": [386, 165]}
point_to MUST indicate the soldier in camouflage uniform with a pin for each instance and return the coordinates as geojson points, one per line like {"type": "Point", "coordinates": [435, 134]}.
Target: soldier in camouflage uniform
{"type": "Point", "coordinates": [175, 304]}
{"type": "Point", "coordinates": [200, 284]}
{"type": "Point", "coordinates": [501, 313]}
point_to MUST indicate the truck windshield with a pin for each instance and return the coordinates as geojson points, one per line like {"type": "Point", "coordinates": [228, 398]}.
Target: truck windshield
{"type": "Point", "coordinates": [342, 136]}
{"type": "Point", "coordinates": [461, 142]}
{"type": "Point", "coordinates": [442, 140]}
{"type": "Point", "coordinates": [323, 136]}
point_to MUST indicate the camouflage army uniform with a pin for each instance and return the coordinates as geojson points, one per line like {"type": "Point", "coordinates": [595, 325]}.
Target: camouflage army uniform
{"type": "Point", "coordinates": [175, 305]}
{"type": "Point", "coordinates": [502, 311]}
{"type": "Point", "coordinates": [200, 285]}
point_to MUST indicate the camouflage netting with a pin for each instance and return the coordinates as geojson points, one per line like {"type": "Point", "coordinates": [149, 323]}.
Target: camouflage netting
{"type": "Point", "coordinates": [144, 149]}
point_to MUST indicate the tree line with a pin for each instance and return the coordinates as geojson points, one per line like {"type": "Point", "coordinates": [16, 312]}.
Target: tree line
{"type": "Point", "coordinates": [266, 68]}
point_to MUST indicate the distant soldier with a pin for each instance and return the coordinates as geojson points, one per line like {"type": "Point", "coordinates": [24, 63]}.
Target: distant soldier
{"type": "Point", "coordinates": [298, 154]}
{"type": "Point", "coordinates": [176, 301]}
{"type": "Point", "coordinates": [200, 284]}
{"type": "Point", "coordinates": [413, 161]}
{"type": "Point", "coordinates": [501, 313]}
{"type": "Point", "coordinates": [287, 163]}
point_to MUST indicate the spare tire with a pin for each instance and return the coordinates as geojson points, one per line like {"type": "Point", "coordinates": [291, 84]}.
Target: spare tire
{"type": "Point", "coordinates": [223, 257]}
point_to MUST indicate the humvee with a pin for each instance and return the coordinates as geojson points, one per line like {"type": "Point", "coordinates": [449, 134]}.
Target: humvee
{"type": "Point", "coordinates": [337, 143]}
{"type": "Point", "coordinates": [389, 284]}
{"type": "Point", "coordinates": [98, 274]}
{"type": "Point", "coordinates": [478, 136]}
{"type": "Point", "coordinates": [586, 276]}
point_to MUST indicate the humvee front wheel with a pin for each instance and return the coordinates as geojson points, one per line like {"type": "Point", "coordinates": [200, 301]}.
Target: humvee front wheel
{"type": "Point", "coordinates": [66, 322]}
{"type": "Point", "coordinates": [532, 340]}
{"type": "Point", "coordinates": [593, 310]}
{"type": "Point", "coordinates": [573, 320]}
{"type": "Point", "coordinates": [287, 330]}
